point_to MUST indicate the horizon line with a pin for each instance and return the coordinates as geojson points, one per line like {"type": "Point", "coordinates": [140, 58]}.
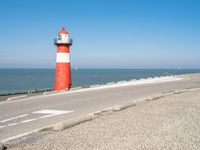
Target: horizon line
{"type": "Point", "coordinates": [178, 68]}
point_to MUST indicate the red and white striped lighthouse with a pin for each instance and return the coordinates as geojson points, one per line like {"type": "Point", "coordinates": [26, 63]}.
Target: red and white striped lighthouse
{"type": "Point", "coordinates": [63, 69]}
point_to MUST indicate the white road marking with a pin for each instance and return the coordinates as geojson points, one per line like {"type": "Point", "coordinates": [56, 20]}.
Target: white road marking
{"type": "Point", "coordinates": [6, 120]}
{"type": "Point", "coordinates": [47, 116]}
{"type": "Point", "coordinates": [19, 135]}
{"type": "Point", "coordinates": [29, 120]}
{"type": "Point", "coordinates": [49, 113]}
{"type": "Point", "coordinates": [12, 124]}
{"type": "Point", "coordinates": [2, 127]}
{"type": "Point", "coordinates": [52, 112]}
{"type": "Point", "coordinates": [24, 134]}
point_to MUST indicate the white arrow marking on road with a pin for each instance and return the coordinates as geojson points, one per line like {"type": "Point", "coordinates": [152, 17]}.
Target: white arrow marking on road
{"type": "Point", "coordinates": [47, 116]}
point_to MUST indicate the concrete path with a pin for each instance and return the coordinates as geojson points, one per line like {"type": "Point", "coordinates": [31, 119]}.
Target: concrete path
{"type": "Point", "coordinates": [22, 117]}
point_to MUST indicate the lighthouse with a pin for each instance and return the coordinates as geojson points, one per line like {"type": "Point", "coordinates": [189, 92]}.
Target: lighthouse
{"type": "Point", "coordinates": [63, 69]}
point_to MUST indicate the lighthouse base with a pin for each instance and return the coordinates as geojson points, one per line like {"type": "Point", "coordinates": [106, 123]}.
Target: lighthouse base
{"type": "Point", "coordinates": [63, 76]}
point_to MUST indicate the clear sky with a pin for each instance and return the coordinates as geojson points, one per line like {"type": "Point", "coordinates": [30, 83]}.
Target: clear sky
{"type": "Point", "coordinates": [106, 33]}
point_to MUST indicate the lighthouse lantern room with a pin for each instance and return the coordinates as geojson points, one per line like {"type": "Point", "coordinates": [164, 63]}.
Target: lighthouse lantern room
{"type": "Point", "coordinates": [63, 38]}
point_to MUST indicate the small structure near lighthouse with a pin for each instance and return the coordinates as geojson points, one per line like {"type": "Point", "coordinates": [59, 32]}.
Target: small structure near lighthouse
{"type": "Point", "coordinates": [63, 69]}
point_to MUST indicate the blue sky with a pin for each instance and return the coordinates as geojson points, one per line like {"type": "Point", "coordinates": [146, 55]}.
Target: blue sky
{"type": "Point", "coordinates": [106, 33]}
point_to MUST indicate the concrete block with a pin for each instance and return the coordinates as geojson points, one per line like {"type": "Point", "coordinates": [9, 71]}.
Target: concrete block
{"type": "Point", "coordinates": [150, 78]}
{"type": "Point", "coordinates": [156, 97]}
{"type": "Point", "coordinates": [96, 85]}
{"type": "Point", "coordinates": [72, 122]}
{"type": "Point", "coordinates": [122, 107]}
{"type": "Point", "coordinates": [97, 113]}
{"type": "Point", "coordinates": [132, 80]}
{"type": "Point", "coordinates": [110, 83]}
{"type": "Point", "coordinates": [124, 81]}
{"type": "Point", "coordinates": [100, 112]}
{"type": "Point", "coordinates": [17, 97]}
{"type": "Point", "coordinates": [150, 98]}
{"type": "Point", "coordinates": [53, 92]}
{"type": "Point", "coordinates": [140, 101]}
{"type": "Point", "coordinates": [177, 92]}
{"type": "Point", "coordinates": [194, 89]}
{"type": "Point", "coordinates": [117, 108]}
{"type": "Point", "coordinates": [142, 79]}
{"type": "Point", "coordinates": [49, 92]}
{"type": "Point", "coordinates": [181, 91]}
{"type": "Point", "coordinates": [76, 88]}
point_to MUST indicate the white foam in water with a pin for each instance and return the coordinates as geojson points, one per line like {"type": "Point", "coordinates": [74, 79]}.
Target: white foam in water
{"type": "Point", "coordinates": [141, 82]}
{"type": "Point", "coordinates": [126, 83]}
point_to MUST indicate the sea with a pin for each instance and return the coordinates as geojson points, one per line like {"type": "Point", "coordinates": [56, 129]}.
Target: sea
{"type": "Point", "coordinates": [28, 80]}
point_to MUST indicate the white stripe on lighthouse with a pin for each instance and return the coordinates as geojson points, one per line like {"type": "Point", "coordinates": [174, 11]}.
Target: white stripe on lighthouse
{"type": "Point", "coordinates": [62, 58]}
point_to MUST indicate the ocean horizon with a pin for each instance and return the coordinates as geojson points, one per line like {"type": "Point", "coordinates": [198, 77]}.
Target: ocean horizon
{"type": "Point", "coordinates": [17, 80]}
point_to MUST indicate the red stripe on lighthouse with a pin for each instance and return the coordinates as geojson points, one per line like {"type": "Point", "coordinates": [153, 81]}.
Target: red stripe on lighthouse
{"type": "Point", "coordinates": [63, 76]}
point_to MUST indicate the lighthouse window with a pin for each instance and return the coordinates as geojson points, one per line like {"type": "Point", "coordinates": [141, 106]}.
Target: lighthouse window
{"type": "Point", "coordinates": [59, 37]}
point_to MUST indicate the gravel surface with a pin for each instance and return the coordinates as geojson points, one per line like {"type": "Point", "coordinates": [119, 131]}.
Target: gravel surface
{"type": "Point", "coordinates": [172, 122]}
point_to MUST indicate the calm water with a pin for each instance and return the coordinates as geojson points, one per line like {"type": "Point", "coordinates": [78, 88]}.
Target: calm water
{"type": "Point", "coordinates": [20, 80]}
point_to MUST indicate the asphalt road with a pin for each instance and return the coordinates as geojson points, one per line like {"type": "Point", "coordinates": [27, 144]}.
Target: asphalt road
{"type": "Point", "coordinates": [169, 123]}
{"type": "Point", "coordinates": [23, 116]}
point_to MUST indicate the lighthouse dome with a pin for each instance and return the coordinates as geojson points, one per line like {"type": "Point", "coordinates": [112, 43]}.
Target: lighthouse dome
{"type": "Point", "coordinates": [63, 31]}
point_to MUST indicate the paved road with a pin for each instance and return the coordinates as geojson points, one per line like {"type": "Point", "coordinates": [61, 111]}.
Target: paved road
{"type": "Point", "coordinates": [168, 123]}
{"type": "Point", "coordinates": [19, 117]}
